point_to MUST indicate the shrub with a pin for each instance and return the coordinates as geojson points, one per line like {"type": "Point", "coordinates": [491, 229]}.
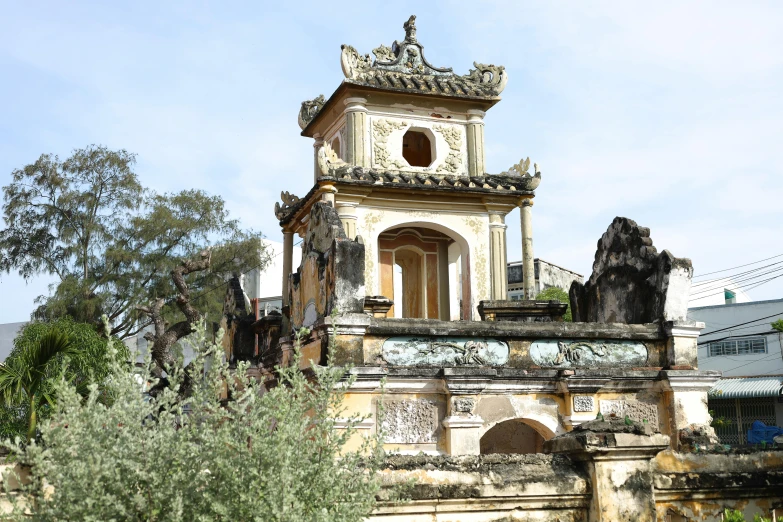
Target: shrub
{"type": "Point", "coordinates": [266, 455]}
{"type": "Point", "coordinates": [554, 293]}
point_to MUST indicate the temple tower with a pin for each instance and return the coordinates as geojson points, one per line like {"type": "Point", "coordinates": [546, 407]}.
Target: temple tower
{"type": "Point", "coordinates": [399, 153]}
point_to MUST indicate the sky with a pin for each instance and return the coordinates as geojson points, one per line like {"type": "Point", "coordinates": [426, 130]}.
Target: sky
{"type": "Point", "coordinates": [669, 113]}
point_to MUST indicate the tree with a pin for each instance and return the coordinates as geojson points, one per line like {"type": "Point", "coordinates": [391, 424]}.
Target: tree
{"type": "Point", "coordinates": [43, 353]}
{"type": "Point", "coordinates": [266, 455]}
{"type": "Point", "coordinates": [112, 244]}
{"type": "Point", "coordinates": [777, 325]}
{"type": "Point", "coordinates": [554, 293]}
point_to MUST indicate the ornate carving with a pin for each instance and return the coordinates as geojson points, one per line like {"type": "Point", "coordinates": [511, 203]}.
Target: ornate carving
{"type": "Point", "coordinates": [522, 169]}
{"type": "Point", "coordinates": [410, 29]}
{"type": "Point", "coordinates": [490, 75]}
{"type": "Point", "coordinates": [409, 421]}
{"type": "Point", "coordinates": [403, 66]}
{"type": "Point", "coordinates": [434, 351]}
{"type": "Point", "coordinates": [381, 129]}
{"type": "Point", "coordinates": [309, 110]}
{"type": "Point", "coordinates": [453, 136]}
{"type": "Point", "coordinates": [383, 54]}
{"type": "Point", "coordinates": [463, 404]}
{"type": "Point", "coordinates": [328, 159]}
{"type": "Point", "coordinates": [353, 63]}
{"type": "Point", "coordinates": [635, 410]}
{"type": "Point", "coordinates": [584, 403]}
{"type": "Point", "coordinates": [600, 353]}
{"type": "Point", "coordinates": [289, 200]}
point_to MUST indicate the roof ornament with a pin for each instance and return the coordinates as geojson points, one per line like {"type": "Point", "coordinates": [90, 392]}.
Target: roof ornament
{"type": "Point", "coordinates": [328, 159]}
{"type": "Point", "coordinates": [289, 200]}
{"type": "Point", "coordinates": [309, 110]}
{"type": "Point", "coordinates": [403, 67]}
{"type": "Point", "coordinates": [522, 169]}
{"type": "Point", "coordinates": [410, 29]}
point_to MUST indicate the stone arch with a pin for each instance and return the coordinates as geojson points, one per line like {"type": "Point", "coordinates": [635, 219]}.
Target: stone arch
{"type": "Point", "coordinates": [517, 436]}
{"type": "Point", "coordinates": [447, 285]}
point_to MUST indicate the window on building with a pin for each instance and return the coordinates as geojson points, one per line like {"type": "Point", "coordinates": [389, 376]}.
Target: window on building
{"type": "Point", "coordinates": [745, 346]}
{"type": "Point", "coordinates": [417, 149]}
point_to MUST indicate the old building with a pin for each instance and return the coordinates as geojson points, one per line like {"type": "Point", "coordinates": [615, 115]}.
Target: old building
{"type": "Point", "coordinates": [496, 407]}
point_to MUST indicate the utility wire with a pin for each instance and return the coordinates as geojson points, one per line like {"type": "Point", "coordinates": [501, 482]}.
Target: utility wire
{"type": "Point", "coordinates": [749, 280]}
{"type": "Point", "coordinates": [732, 276]}
{"type": "Point", "coordinates": [743, 324]}
{"type": "Point", "coordinates": [754, 285]}
{"type": "Point", "coordinates": [739, 266]}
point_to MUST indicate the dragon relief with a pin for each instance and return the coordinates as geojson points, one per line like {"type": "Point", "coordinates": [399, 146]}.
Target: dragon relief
{"type": "Point", "coordinates": [309, 110]}
{"type": "Point", "coordinates": [522, 170]}
{"type": "Point", "coordinates": [328, 159]}
{"type": "Point", "coordinates": [289, 200]}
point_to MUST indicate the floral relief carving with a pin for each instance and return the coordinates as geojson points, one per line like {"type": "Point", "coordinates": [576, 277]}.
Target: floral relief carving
{"type": "Point", "coordinates": [381, 130]}
{"type": "Point", "coordinates": [453, 136]}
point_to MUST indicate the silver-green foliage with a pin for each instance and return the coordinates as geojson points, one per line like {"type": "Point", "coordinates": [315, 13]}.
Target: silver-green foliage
{"type": "Point", "coordinates": [266, 456]}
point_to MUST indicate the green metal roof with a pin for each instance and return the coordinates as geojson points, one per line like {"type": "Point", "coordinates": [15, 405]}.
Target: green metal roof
{"type": "Point", "coordinates": [746, 387]}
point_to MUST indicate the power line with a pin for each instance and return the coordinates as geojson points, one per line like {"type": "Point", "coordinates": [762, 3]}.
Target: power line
{"type": "Point", "coordinates": [743, 324]}
{"type": "Point", "coordinates": [741, 286]}
{"type": "Point", "coordinates": [722, 285]}
{"type": "Point", "coordinates": [739, 266]}
{"type": "Point", "coordinates": [737, 336]}
{"type": "Point", "coordinates": [773, 356]}
{"type": "Point", "coordinates": [732, 276]}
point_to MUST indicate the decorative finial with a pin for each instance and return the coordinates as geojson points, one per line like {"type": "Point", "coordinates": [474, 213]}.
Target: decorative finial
{"type": "Point", "coordinates": [410, 29]}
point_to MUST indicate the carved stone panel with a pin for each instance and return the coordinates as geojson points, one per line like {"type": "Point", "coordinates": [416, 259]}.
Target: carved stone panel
{"type": "Point", "coordinates": [463, 405]}
{"type": "Point", "coordinates": [409, 421]}
{"type": "Point", "coordinates": [569, 353]}
{"type": "Point", "coordinates": [636, 410]}
{"type": "Point", "coordinates": [584, 403]}
{"type": "Point", "coordinates": [444, 351]}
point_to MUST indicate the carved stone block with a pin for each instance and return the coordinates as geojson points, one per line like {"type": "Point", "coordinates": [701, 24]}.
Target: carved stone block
{"type": "Point", "coordinates": [463, 405]}
{"type": "Point", "coordinates": [409, 421]}
{"type": "Point", "coordinates": [636, 410]}
{"type": "Point", "coordinates": [584, 403]}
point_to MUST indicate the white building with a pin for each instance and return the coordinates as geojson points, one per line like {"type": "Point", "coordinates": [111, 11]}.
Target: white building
{"type": "Point", "coordinates": [267, 285]}
{"type": "Point", "coordinates": [739, 341]}
{"type": "Point", "coordinates": [714, 292]}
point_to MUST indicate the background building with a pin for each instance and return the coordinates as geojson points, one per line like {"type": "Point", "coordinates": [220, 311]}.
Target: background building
{"type": "Point", "coordinates": [739, 341]}
{"type": "Point", "coordinates": [547, 276]}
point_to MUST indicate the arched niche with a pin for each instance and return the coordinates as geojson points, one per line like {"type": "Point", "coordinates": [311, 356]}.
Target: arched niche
{"type": "Point", "coordinates": [515, 436]}
{"type": "Point", "coordinates": [424, 268]}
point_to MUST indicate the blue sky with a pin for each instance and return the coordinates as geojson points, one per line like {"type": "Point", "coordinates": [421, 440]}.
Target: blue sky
{"type": "Point", "coordinates": [669, 113]}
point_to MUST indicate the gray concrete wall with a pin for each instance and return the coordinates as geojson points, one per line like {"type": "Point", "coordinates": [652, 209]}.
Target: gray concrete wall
{"type": "Point", "coordinates": [547, 276]}
{"type": "Point", "coordinates": [721, 316]}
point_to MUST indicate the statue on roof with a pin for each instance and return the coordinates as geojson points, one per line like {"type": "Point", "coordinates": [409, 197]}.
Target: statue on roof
{"type": "Point", "coordinates": [410, 29]}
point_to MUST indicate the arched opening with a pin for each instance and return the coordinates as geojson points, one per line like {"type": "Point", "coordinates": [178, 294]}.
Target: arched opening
{"type": "Point", "coordinates": [337, 146]}
{"type": "Point", "coordinates": [518, 436]}
{"type": "Point", "coordinates": [422, 270]}
{"type": "Point", "coordinates": [417, 148]}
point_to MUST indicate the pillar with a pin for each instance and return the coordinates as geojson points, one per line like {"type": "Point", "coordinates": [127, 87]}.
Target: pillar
{"type": "Point", "coordinates": [327, 191]}
{"type": "Point", "coordinates": [357, 149]}
{"type": "Point", "coordinates": [317, 144]}
{"type": "Point", "coordinates": [288, 257]}
{"type": "Point", "coordinates": [347, 212]}
{"type": "Point", "coordinates": [497, 256]}
{"type": "Point", "coordinates": [685, 398]}
{"type": "Point", "coordinates": [475, 132]}
{"type": "Point", "coordinates": [528, 269]}
{"type": "Point", "coordinates": [443, 281]}
{"type": "Point", "coordinates": [463, 434]}
{"type": "Point", "coordinates": [619, 465]}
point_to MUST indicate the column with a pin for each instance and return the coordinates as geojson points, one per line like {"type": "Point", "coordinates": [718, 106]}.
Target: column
{"type": "Point", "coordinates": [443, 281]}
{"type": "Point", "coordinates": [497, 256]}
{"type": "Point", "coordinates": [475, 132]}
{"type": "Point", "coordinates": [288, 257]}
{"type": "Point", "coordinates": [347, 212]}
{"type": "Point", "coordinates": [357, 150]}
{"type": "Point", "coordinates": [327, 191]}
{"type": "Point", "coordinates": [317, 144]}
{"type": "Point", "coordinates": [528, 270]}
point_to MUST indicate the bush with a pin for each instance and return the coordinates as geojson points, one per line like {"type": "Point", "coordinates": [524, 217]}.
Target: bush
{"type": "Point", "coordinates": [262, 455]}
{"type": "Point", "coordinates": [554, 293]}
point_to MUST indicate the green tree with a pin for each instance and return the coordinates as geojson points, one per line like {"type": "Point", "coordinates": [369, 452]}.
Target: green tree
{"type": "Point", "coordinates": [112, 245]}
{"type": "Point", "coordinates": [778, 325]}
{"type": "Point", "coordinates": [266, 455]}
{"type": "Point", "coordinates": [554, 293]}
{"type": "Point", "coordinates": [42, 354]}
